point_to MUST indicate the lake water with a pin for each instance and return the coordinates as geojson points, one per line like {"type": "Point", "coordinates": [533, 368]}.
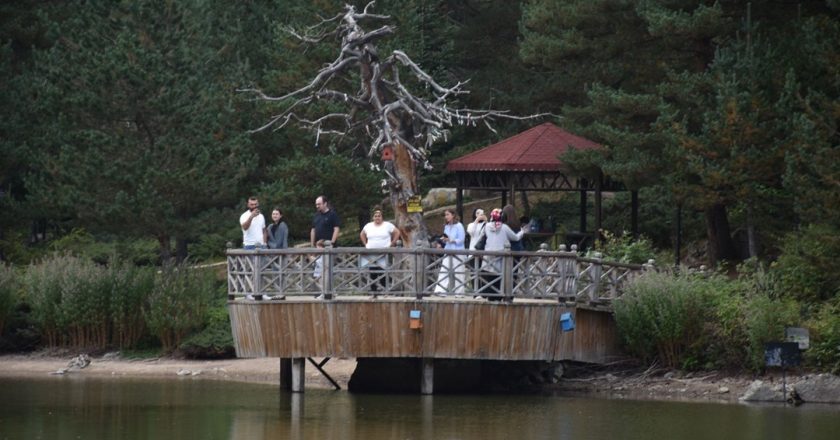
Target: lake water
{"type": "Point", "coordinates": [103, 408]}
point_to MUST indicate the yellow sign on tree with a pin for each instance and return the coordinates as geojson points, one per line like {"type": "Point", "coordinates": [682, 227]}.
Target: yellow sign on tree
{"type": "Point", "coordinates": [414, 204]}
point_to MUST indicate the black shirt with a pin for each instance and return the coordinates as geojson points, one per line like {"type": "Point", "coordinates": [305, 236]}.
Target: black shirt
{"type": "Point", "coordinates": [324, 223]}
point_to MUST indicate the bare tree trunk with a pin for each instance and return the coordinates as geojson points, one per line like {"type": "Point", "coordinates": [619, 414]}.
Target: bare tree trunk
{"type": "Point", "coordinates": [721, 246]}
{"type": "Point", "coordinates": [180, 249]}
{"type": "Point", "coordinates": [165, 249]}
{"type": "Point", "coordinates": [411, 225]}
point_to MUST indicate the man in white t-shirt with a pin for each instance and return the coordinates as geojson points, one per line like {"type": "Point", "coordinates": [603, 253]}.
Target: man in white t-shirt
{"type": "Point", "coordinates": [254, 234]}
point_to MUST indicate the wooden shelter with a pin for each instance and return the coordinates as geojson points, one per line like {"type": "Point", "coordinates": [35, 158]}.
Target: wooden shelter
{"type": "Point", "coordinates": [530, 161]}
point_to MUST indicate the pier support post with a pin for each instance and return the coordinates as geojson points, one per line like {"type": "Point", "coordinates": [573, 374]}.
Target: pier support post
{"type": "Point", "coordinates": [285, 374]}
{"type": "Point", "coordinates": [427, 375]}
{"type": "Point", "coordinates": [298, 376]}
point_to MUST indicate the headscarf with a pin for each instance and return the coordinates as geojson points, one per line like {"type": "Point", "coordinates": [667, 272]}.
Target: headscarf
{"type": "Point", "coordinates": [496, 216]}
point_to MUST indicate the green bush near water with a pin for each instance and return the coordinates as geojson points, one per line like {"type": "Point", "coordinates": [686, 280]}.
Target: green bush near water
{"type": "Point", "coordinates": [81, 304]}
{"type": "Point", "coordinates": [177, 304]}
{"type": "Point", "coordinates": [699, 321]}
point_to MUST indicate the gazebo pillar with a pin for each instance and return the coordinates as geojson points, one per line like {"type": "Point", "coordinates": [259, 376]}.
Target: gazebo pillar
{"type": "Point", "coordinates": [598, 206]}
{"type": "Point", "coordinates": [459, 198]}
{"type": "Point", "coordinates": [583, 207]}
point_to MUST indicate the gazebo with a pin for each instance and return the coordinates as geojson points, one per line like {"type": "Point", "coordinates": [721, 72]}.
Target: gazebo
{"type": "Point", "coordinates": [530, 161]}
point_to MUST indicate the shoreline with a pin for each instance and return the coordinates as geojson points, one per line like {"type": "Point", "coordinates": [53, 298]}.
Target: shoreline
{"type": "Point", "coordinates": [710, 387]}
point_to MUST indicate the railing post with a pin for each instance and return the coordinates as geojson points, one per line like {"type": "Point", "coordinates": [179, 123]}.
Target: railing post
{"type": "Point", "coordinates": [507, 274]}
{"type": "Point", "coordinates": [419, 268]}
{"type": "Point", "coordinates": [326, 279]}
{"type": "Point", "coordinates": [255, 263]}
{"type": "Point", "coordinates": [595, 274]}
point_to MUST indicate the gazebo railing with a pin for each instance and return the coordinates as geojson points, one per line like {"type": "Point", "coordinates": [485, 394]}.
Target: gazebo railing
{"type": "Point", "coordinates": [422, 272]}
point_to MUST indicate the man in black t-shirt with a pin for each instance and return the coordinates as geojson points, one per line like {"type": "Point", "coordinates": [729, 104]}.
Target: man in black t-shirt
{"type": "Point", "coordinates": [325, 223]}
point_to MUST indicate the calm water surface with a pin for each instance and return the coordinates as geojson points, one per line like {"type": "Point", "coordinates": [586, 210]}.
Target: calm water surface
{"type": "Point", "coordinates": [94, 408]}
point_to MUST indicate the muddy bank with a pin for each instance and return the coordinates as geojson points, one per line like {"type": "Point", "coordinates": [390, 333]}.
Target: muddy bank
{"type": "Point", "coordinates": [611, 382]}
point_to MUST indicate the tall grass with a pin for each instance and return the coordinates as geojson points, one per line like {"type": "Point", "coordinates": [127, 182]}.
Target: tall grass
{"type": "Point", "coordinates": [178, 303]}
{"type": "Point", "coordinates": [8, 293]}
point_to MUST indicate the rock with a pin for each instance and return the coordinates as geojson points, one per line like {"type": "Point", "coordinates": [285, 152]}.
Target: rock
{"type": "Point", "coordinates": [759, 391]}
{"type": "Point", "coordinates": [184, 372]}
{"type": "Point", "coordinates": [669, 375]}
{"type": "Point", "coordinates": [111, 356]}
{"type": "Point", "coordinates": [610, 378]}
{"type": "Point", "coordinates": [439, 197]}
{"type": "Point", "coordinates": [196, 372]}
{"type": "Point", "coordinates": [723, 390]}
{"type": "Point", "coordinates": [822, 388]}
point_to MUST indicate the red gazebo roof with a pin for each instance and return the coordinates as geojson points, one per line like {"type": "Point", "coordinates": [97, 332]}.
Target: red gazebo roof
{"type": "Point", "coordinates": [535, 149]}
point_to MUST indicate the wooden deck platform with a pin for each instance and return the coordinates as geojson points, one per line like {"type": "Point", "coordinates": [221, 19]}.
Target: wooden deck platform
{"type": "Point", "coordinates": [455, 328]}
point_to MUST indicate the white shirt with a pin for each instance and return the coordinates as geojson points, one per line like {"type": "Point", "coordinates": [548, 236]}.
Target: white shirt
{"type": "Point", "coordinates": [252, 236]}
{"type": "Point", "coordinates": [378, 236]}
{"type": "Point", "coordinates": [475, 230]}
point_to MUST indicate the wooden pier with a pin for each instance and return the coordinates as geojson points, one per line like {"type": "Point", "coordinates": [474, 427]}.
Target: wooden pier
{"type": "Point", "coordinates": [403, 318]}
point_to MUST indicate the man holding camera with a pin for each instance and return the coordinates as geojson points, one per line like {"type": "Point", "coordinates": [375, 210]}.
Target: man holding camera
{"type": "Point", "coordinates": [254, 235]}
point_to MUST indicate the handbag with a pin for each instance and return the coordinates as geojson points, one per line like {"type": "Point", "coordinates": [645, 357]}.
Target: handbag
{"type": "Point", "coordinates": [482, 242]}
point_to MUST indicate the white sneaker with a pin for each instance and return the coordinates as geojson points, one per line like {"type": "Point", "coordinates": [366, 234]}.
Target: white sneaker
{"type": "Point", "coordinates": [249, 297]}
{"type": "Point", "coordinates": [459, 296]}
{"type": "Point", "coordinates": [479, 297]}
{"type": "Point", "coordinates": [321, 296]}
{"type": "Point", "coordinates": [440, 294]}
{"type": "Point", "coordinates": [267, 297]}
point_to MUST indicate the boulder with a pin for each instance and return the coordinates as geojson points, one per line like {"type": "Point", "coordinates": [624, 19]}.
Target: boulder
{"type": "Point", "coordinates": [760, 391]}
{"type": "Point", "coordinates": [822, 388]}
{"type": "Point", "coordinates": [438, 197]}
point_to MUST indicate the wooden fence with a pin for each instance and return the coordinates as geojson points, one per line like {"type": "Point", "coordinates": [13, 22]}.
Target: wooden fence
{"type": "Point", "coordinates": [421, 272]}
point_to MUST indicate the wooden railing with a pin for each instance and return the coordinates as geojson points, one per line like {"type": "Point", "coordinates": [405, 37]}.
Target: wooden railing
{"type": "Point", "coordinates": [400, 272]}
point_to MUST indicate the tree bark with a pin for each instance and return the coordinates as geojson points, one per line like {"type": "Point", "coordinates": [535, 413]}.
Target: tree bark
{"type": "Point", "coordinates": [721, 246]}
{"type": "Point", "coordinates": [411, 225]}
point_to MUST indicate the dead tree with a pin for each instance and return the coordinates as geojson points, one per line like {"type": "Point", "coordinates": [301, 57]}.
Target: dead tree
{"type": "Point", "coordinates": [391, 120]}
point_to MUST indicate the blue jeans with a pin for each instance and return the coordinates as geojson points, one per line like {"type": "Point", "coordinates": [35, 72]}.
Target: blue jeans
{"type": "Point", "coordinates": [251, 247]}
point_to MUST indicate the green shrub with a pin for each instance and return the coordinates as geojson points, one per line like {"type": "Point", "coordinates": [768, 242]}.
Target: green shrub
{"type": "Point", "coordinates": [8, 294]}
{"type": "Point", "coordinates": [177, 304]}
{"type": "Point", "coordinates": [662, 316]}
{"type": "Point", "coordinates": [215, 340]}
{"type": "Point", "coordinates": [624, 248]}
{"type": "Point", "coordinates": [824, 352]}
{"type": "Point", "coordinates": [209, 247]}
{"type": "Point", "coordinates": [807, 265]}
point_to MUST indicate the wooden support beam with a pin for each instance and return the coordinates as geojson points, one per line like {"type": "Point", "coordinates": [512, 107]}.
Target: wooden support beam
{"type": "Point", "coordinates": [298, 374]}
{"type": "Point", "coordinates": [427, 376]}
{"type": "Point", "coordinates": [319, 366]}
{"type": "Point", "coordinates": [285, 374]}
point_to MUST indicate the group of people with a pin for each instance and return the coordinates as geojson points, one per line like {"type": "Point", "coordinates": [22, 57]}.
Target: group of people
{"type": "Point", "coordinates": [489, 234]}
{"type": "Point", "coordinates": [257, 235]}
{"type": "Point", "coordinates": [493, 234]}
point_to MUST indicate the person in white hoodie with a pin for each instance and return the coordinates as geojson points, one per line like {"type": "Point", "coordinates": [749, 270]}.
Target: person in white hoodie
{"type": "Point", "coordinates": [498, 235]}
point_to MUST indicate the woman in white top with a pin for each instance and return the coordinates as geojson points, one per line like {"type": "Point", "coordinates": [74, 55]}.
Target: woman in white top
{"type": "Point", "coordinates": [476, 228]}
{"type": "Point", "coordinates": [376, 235]}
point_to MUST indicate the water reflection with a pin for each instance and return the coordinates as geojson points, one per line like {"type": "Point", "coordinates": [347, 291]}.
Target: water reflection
{"type": "Point", "coordinates": [78, 407]}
